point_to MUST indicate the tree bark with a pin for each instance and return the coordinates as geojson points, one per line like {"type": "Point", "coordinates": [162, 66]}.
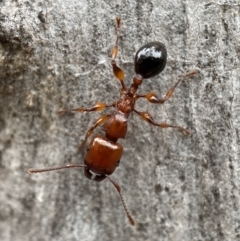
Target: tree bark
{"type": "Point", "coordinates": [56, 55]}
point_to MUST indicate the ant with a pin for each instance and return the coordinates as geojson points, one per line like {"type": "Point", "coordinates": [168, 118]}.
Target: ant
{"type": "Point", "coordinates": [104, 153]}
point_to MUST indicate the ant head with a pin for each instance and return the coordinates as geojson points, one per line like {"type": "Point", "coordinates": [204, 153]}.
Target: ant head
{"type": "Point", "coordinates": [92, 176]}
{"type": "Point", "coordinates": [150, 59]}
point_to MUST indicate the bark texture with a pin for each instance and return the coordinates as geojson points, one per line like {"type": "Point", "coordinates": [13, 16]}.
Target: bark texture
{"type": "Point", "coordinates": [56, 54]}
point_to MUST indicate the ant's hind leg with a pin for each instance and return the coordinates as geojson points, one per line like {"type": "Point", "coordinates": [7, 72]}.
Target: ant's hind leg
{"type": "Point", "coordinates": [152, 97]}
{"type": "Point", "coordinates": [147, 117]}
{"type": "Point", "coordinates": [99, 121]}
{"type": "Point", "coordinates": [118, 72]}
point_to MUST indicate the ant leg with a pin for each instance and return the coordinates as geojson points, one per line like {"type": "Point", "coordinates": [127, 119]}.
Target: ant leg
{"type": "Point", "coordinates": [99, 121]}
{"type": "Point", "coordinates": [118, 188]}
{"type": "Point", "coordinates": [152, 97]}
{"type": "Point", "coordinates": [147, 117]}
{"type": "Point", "coordinates": [118, 72]}
{"type": "Point", "coordinates": [97, 107]}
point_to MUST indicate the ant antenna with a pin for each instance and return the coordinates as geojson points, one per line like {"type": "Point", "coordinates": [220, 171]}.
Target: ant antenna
{"type": "Point", "coordinates": [123, 202]}
{"type": "Point", "coordinates": [31, 171]}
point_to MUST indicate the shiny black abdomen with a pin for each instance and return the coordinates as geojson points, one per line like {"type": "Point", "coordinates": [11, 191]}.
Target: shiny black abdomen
{"type": "Point", "coordinates": [150, 59]}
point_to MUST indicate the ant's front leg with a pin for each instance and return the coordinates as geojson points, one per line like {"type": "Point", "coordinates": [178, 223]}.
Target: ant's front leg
{"type": "Point", "coordinates": [99, 121]}
{"type": "Point", "coordinates": [97, 107]}
{"type": "Point", "coordinates": [147, 117]}
{"type": "Point", "coordinates": [152, 97]}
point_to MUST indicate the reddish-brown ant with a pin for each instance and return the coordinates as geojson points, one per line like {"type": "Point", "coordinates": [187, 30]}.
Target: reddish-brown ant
{"type": "Point", "coordinates": [104, 153]}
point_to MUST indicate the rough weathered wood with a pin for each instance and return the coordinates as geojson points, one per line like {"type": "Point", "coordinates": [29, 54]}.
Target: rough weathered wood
{"type": "Point", "coordinates": [56, 54]}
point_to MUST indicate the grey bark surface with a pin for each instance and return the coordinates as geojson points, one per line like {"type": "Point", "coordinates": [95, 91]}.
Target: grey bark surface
{"type": "Point", "coordinates": [56, 54]}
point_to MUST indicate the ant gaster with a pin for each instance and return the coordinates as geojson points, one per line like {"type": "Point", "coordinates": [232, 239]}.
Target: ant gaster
{"type": "Point", "coordinates": [104, 153]}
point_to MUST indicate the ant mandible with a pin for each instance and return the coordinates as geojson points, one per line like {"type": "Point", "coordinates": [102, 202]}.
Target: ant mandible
{"type": "Point", "coordinates": [104, 153]}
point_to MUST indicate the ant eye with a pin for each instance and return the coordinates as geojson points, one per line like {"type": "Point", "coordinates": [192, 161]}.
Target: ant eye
{"type": "Point", "coordinates": [150, 59]}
